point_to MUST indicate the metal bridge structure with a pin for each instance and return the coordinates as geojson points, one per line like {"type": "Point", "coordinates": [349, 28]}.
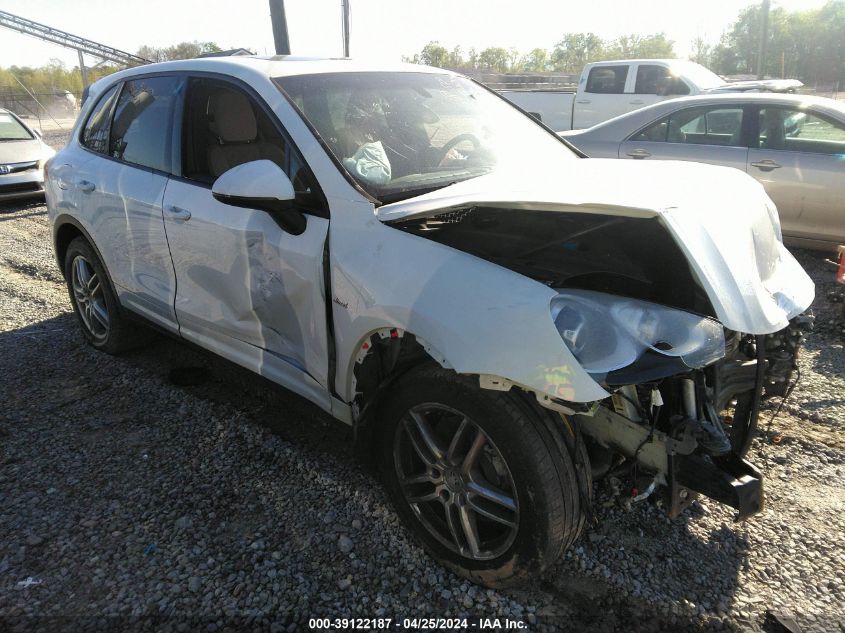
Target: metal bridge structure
{"type": "Point", "coordinates": [68, 40]}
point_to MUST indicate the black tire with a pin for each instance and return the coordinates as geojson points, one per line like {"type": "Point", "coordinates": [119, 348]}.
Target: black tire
{"type": "Point", "coordinates": [120, 333]}
{"type": "Point", "coordinates": [547, 489]}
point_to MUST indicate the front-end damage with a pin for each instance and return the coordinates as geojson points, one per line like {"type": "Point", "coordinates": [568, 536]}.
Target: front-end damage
{"type": "Point", "coordinates": [687, 313]}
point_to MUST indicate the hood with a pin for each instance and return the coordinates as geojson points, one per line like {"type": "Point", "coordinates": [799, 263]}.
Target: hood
{"type": "Point", "coordinates": [719, 217]}
{"type": "Point", "coordinates": [20, 151]}
{"type": "Point", "coordinates": [765, 85]}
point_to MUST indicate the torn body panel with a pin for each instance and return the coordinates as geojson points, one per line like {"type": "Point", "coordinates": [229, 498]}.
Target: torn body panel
{"type": "Point", "coordinates": [729, 235]}
{"type": "Point", "coordinates": [481, 317]}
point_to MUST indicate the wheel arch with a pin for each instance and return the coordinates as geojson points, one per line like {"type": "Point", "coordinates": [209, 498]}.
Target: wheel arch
{"type": "Point", "coordinates": [382, 356]}
{"type": "Point", "coordinates": [66, 228]}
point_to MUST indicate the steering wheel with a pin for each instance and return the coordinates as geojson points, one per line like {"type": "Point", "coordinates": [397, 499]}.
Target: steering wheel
{"type": "Point", "coordinates": [460, 138]}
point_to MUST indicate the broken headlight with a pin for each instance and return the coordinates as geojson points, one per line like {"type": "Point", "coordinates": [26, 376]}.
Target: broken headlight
{"type": "Point", "coordinates": [606, 332]}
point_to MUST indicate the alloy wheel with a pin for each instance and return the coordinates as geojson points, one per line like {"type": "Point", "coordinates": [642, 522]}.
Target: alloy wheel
{"type": "Point", "coordinates": [89, 295]}
{"type": "Point", "coordinates": [456, 481]}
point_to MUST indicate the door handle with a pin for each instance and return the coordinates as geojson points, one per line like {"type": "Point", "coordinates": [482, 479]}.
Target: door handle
{"type": "Point", "coordinates": [178, 213]}
{"type": "Point", "coordinates": [584, 101]}
{"type": "Point", "coordinates": [766, 165]}
{"type": "Point", "coordinates": [639, 153]}
{"type": "Point", "coordinates": [637, 102]}
{"type": "Point", "coordinates": [86, 186]}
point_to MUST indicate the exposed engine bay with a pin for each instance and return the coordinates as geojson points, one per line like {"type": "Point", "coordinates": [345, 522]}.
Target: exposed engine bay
{"type": "Point", "coordinates": [625, 256]}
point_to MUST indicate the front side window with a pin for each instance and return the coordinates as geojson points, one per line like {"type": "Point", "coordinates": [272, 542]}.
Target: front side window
{"type": "Point", "coordinates": [224, 127]}
{"type": "Point", "coordinates": [658, 80]}
{"type": "Point", "coordinates": [95, 136]}
{"type": "Point", "coordinates": [797, 130]}
{"type": "Point", "coordinates": [142, 122]}
{"type": "Point", "coordinates": [11, 129]}
{"type": "Point", "coordinates": [607, 79]}
{"type": "Point", "coordinates": [400, 134]}
{"type": "Point", "coordinates": [698, 126]}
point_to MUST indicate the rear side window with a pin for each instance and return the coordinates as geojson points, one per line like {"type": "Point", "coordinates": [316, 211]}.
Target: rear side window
{"type": "Point", "coordinates": [712, 125]}
{"type": "Point", "coordinates": [95, 136]}
{"type": "Point", "coordinates": [142, 123]}
{"type": "Point", "coordinates": [607, 79]}
{"type": "Point", "coordinates": [658, 80]}
{"type": "Point", "coordinates": [796, 130]}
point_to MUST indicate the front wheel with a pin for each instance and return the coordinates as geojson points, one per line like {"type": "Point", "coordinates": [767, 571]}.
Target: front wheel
{"type": "Point", "coordinates": [482, 478]}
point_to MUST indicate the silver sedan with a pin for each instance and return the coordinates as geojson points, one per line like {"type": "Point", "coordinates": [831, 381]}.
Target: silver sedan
{"type": "Point", "coordinates": [794, 145]}
{"type": "Point", "coordinates": [22, 158]}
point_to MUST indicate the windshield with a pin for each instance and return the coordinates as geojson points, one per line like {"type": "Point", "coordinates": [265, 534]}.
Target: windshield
{"type": "Point", "coordinates": [698, 74]}
{"type": "Point", "coordinates": [11, 129]}
{"type": "Point", "coordinates": [400, 134]}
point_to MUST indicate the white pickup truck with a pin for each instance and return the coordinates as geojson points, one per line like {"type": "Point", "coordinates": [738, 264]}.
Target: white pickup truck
{"type": "Point", "coordinates": [608, 89]}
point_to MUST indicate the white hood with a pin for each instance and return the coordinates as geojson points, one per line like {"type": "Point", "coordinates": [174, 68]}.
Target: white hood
{"type": "Point", "coordinates": [720, 217]}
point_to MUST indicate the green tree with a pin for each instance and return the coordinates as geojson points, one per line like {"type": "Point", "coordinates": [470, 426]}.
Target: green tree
{"type": "Point", "coordinates": [634, 46]}
{"type": "Point", "coordinates": [182, 50]}
{"type": "Point", "coordinates": [809, 45]}
{"type": "Point", "coordinates": [702, 51]}
{"type": "Point", "coordinates": [576, 49]}
{"type": "Point", "coordinates": [433, 54]}
{"type": "Point", "coordinates": [494, 58]}
{"type": "Point", "coordinates": [456, 58]}
{"type": "Point", "coordinates": [536, 60]}
{"type": "Point", "coordinates": [472, 59]}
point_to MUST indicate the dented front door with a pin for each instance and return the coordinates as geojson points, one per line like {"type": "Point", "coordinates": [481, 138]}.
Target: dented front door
{"type": "Point", "coordinates": [247, 289]}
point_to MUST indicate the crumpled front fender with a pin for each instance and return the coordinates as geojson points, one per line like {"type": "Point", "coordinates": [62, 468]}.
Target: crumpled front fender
{"type": "Point", "coordinates": [483, 319]}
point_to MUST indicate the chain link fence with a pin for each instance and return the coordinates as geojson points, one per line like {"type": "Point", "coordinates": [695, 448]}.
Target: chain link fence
{"type": "Point", "coordinates": [42, 110]}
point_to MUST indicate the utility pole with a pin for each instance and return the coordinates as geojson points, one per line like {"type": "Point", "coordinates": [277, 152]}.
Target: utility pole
{"type": "Point", "coordinates": [344, 5]}
{"type": "Point", "coordinates": [764, 40]}
{"type": "Point", "coordinates": [280, 27]}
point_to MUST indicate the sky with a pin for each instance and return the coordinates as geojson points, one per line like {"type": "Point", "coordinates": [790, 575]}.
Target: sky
{"type": "Point", "coordinates": [385, 29]}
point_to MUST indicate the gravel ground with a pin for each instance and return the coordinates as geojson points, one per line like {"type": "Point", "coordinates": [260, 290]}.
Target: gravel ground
{"type": "Point", "coordinates": [134, 504]}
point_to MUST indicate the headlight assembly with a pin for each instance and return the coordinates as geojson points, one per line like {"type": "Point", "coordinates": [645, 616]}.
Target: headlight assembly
{"type": "Point", "coordinates": [606, 332]}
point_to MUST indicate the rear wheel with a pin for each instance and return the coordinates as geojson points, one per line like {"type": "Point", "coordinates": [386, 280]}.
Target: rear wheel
{"type": "Point", "coordinates": [482, 478]}
{"type": "Point", "coordinates": [104, 325]}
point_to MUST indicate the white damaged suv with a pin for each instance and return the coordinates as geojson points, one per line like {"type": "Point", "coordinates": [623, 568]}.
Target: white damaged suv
{"type": "Point", "coordinates": [501, 320]}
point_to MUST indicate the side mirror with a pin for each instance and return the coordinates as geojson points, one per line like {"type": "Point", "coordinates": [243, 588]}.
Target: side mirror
{"type": "Point", "coordinates": [261, 184]}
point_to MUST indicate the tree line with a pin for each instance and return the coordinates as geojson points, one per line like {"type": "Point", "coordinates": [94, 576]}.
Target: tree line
{"type": "Point", "coordinates": [568, 56]}
{"type": "Point", "coordinates": [56, 76]}
{"type": "Point", "coordinates": [808, 45]}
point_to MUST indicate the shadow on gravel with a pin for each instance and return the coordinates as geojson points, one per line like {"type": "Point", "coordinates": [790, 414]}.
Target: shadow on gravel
{"type": "Point", "coordinates": [637, 570]}
{"type": "Point", "coordinates": [215, 379]}
{"type": "Point", "coordinates": [22, 205]}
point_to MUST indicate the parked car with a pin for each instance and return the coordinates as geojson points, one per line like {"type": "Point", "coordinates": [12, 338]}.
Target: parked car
{"type": "Point", "coordinates": [610, 88]}
{"type": "Point", "coordinates": [794, 145]}
{"type": "Point", "coordinates": [495, 317]}
{"type": "Point", "coordinates": [22, 158]}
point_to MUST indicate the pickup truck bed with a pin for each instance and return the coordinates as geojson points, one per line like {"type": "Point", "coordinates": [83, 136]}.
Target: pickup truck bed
{"type": "Point", "coordinates": [552, 107]}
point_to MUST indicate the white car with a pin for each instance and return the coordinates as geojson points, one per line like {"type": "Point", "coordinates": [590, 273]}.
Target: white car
{"type": "Point", "coordinates": [22, 158]}
{"type": "Point", "coordinates": [496, 317]}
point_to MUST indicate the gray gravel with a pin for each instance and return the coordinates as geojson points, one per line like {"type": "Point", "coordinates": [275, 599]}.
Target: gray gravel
{"type": "Point", "coordinates": [134, 504]}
